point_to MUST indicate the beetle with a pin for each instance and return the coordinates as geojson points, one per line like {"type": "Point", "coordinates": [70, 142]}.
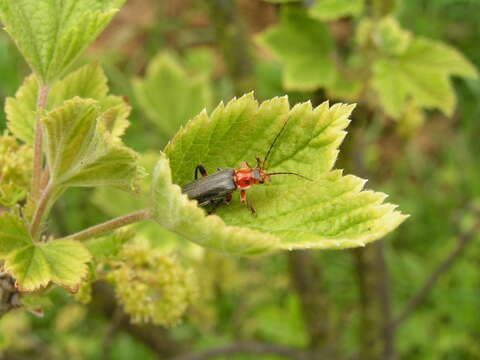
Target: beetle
{"type": "Point", "coordinates": [217, 189]}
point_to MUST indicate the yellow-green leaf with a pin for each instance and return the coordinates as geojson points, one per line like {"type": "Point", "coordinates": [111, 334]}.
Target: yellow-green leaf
{"type": "Point", "coordinates": [87, 82]}
{"type": "Point", "coordinates": [13, 234]}
{"type": "Point", "coordinates": [63, 262]}
{"type": "Point", "coordinates": [422, 74]}
{"type": "Point", "coordinates": [81, 152]}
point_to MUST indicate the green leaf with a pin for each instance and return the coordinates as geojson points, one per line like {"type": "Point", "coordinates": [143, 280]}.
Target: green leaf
{"type": "Point", "coordinates": [62, 262]}
{"type": "Point", "coordinates": [304, 46]}
{"type": "Point", "coordinates": [330, 212]}
{"type": "Point", "coordinates": [421, 73]}
{"type": "Point", "coordinates": [105, 247]}
{"type": "Point", "coordinates": [13, 234]}
{"type": "Point", "coordinates": [87, 82]}
{"type": "Point", "coordinates": [52, 34]}
{"type": "Point", "coordinates": [389, 37]}
{"type": "Point", "coordinates": [328, 10]}
{"type": "Point", "coordinates": [81, 152]}
{"type": "Point", "coordinates": [169, 96]}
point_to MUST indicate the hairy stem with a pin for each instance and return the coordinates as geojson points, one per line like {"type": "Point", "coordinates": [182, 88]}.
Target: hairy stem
{"type": "Point", "coordinates": [37, 150]}
{"type": "Point", "coordinates": [113, 224]}
{"type": "Point", "coordinates": [40, 211]}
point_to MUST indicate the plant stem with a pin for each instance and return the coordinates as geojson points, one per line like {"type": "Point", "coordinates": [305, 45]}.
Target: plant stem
{"type": "Point", "coordinates": [37, 154]}
{"type": "Point", "coordinates": [42, 206]}
{"type": "Point", "coordinates": [111, 225]}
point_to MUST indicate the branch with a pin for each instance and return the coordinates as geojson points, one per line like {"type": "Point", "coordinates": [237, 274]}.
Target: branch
{"type": "Point", "coordinates": [247, 348]}
{"type": "Point", "coordinates": [444, 266]}
{"type": "Point", "coordinates": [111, 225]}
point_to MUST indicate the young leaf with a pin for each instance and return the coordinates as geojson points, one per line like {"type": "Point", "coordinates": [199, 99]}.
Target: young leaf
{"type": "Point", "coordinates": [52, 34]}
{"type": "Point", "coordinates": [169, 96]}
{"type": "Point", "coordinates": [35, 265]}
{"type": "Point", "coordinates": [87, 82]}
{"type": "Point", "coordinates": [328, 10]}
{"type": "Point", "coordinates": [13, 234]}
{"type": "Point", "coordinates": [421, 73]}
{"type": "Point", "coordinates": [303, 45]}
{"type": "Point", "coordinates": [61, 261]}
{"type": "Point", "coordinates": [80, 152]}
{"type": "Point", "coordinates": [330, 212]}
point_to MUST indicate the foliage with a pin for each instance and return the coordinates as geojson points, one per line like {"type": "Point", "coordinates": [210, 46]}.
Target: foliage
{"type": "Point", "coordinates": [397, 67]}
{"type": "Point", "coordinates": [51, 35]}
{"type": "Point", "coordinates": [87, 82]}
{"type": "Point", "coordinates": [15, 172]}
{"type": "Point", "coordinates": [304, 46]}
{"type": "Point", "coordinates": [169, 96]}
{"type": "Point", "coordinates": [413, 62]}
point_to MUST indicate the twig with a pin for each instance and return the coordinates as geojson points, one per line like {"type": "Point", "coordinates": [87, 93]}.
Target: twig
{"type": "Point", "coordinates": [248, 348]}
{"type": "Point", "coordinates": [37, 152]}
{"type": "Point", "coordinates": [445, 265]}
{"type": "Point", "coordinates": [111, 225]}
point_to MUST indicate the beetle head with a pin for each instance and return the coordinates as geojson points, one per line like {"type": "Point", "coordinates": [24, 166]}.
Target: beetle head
{"type": "Point", "coordinates": [260, 176]}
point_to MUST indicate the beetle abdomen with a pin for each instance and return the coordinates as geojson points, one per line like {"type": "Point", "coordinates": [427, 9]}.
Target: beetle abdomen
{"type": "Point", "coordinates": [212, 187]}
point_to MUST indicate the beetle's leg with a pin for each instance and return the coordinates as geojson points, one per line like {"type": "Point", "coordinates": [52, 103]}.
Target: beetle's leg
{"type": "Point", "coordinates": [202, 171]}
{"type": "Point", "coordinates": [215, 206]}
{"type": "Point", "coordinates": [219, 203]}
{"type": "Point", "coordinates": [243, 199]}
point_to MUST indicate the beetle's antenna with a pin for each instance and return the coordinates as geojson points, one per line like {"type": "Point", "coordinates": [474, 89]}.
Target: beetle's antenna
{"type": "Point", "coordinates": [273, 143]}
{"type": "Point", "coordinates": [290, 173]}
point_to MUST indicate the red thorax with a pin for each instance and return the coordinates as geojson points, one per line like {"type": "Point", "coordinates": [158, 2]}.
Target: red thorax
{"type": "Point", "coordinates": [246, 177]}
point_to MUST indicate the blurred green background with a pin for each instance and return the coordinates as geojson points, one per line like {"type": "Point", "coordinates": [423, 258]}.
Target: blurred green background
{"type": "Point", "coordinates": [173, 58]}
